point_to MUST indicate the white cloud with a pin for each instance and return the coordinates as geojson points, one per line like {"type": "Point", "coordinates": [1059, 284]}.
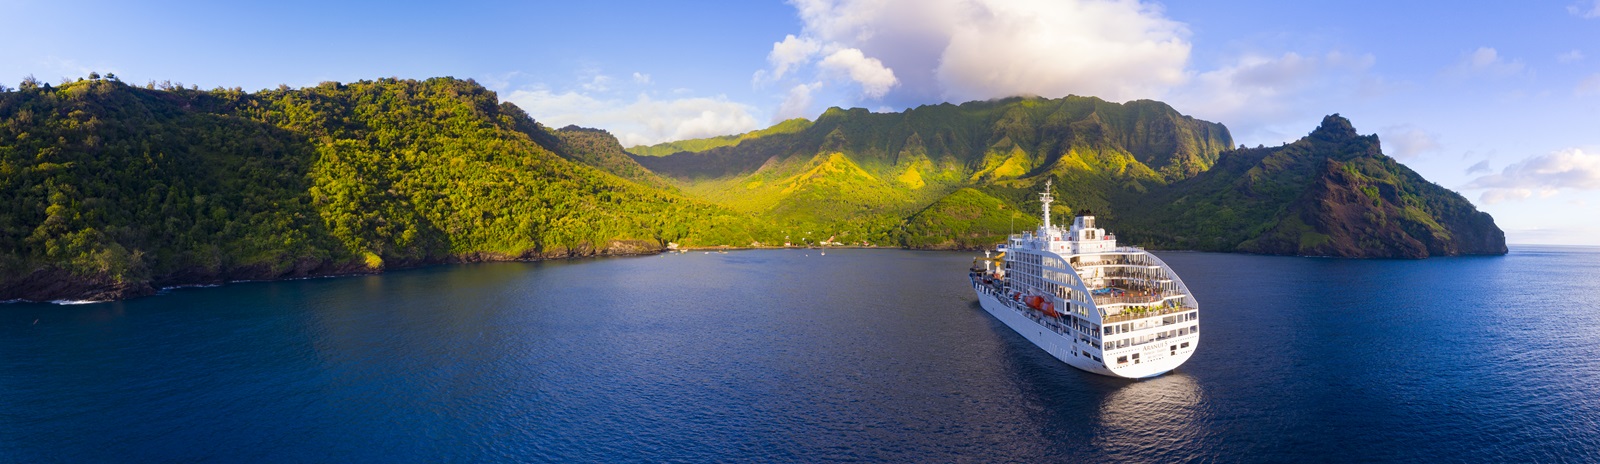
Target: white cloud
{"type": "Point", "coordinates": [599, 83]}
{"type": "Point", "coordinates": [1259, 91]}
{"type": "Point", "coordinates": [875, 80]}
{"type": "Point", "coordinates": [1498, 195]}
{"type": "Point", "coordinates": [1545, 175]}
{"type": "Point", "coordinates": [791, 52]}
{"type": "Point", "coordinates": [1486, 61]}
{"type": "Point", "coordinates": [641, 78]}
{"type": "Point", "coordinates": [1406, 141]}
{"type": "Point", "coordinates": [975, 49]}
{"type": "Point", "coordinates": [1589, 11]}
{"type": "Point", "coordinates": [798, 103]}
{"type": "Point", "coordinates": [640, 121]}
{"type": "Point", "coordinates": [1573, 56]}
{"type": "Point", "coordinates": [1588, 86]}
{"type": "Point", "coordinates": [1119, 50]}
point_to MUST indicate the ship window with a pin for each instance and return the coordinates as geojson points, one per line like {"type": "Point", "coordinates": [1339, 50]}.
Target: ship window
{"type": "Point", "coordinates": [1185, 344]}
{"type": "Point", "coordinates": [1136, 356]}
{"type": "Point", "coordinates": [1086, 354]}
{"type": "Point", "coordinates": [1122, 359]}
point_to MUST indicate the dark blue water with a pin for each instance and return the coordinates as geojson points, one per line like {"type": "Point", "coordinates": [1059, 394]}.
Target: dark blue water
{"type": "Point", "coordinates": [860, 355]}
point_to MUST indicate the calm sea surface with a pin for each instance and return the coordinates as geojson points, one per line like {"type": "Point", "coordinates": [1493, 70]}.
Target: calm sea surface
{"type": "Point", "coordinates": [786, 355]}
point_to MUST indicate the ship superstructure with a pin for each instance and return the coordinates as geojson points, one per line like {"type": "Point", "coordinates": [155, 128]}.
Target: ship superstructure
{"type": "Point", "coordinates": [1107, 309]}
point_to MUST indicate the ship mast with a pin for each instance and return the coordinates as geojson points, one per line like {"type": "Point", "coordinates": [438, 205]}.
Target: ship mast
{"type": "Point", "coordinates": [1046, 199]}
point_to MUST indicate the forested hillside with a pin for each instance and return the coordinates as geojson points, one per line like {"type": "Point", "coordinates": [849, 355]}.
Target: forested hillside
{"type": "Point", "coordinates": [962, 176]}
{"type": "Point", "coordinates": [1332, 193]}
{"type": "Point", "coordinates": [863, 175]}
{"type": "Point", "coordinates": [110, 189]}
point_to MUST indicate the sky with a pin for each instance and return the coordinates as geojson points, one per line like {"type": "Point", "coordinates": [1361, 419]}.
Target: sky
{"type": "Point", "coordinates": [1499, 101]}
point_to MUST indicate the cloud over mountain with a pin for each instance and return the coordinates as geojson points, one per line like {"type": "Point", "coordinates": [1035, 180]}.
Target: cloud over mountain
{"type": "Point", "coordinates": [1545, 175]}
{"type": "Point", "coordinates": [642, 120]}
{"type": "Point", "coordinates": [914, 51]}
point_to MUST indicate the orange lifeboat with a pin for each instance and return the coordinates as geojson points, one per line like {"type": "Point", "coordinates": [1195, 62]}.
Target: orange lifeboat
{"type": "Point", "coordinates": [1034, 301]}
{"type": "Point", "coordinates": [1049, 308]}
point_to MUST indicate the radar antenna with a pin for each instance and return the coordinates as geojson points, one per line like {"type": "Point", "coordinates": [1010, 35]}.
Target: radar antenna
{"type": "Point", "coordinates": [1046, 199]}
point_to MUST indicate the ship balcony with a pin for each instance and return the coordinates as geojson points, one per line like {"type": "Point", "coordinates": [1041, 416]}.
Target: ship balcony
{"type": "Point", "coordinates": [1131, 315]}
{"type": "Point", "coordinates": [1140, 293]}
{"type": "Point", "coordinates": [1145, 280]}
{"type": "Point", "coordinates": [1108, 262]}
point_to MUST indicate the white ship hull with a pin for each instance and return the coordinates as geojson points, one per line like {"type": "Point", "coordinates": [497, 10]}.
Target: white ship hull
{"type": "Point", "coordinates": [1114, 311]}
{"type": "Point", "coordinates": [1080, 354]}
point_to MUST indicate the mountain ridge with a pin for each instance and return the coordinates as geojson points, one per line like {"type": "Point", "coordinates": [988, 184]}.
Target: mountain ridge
{"type": "Point", "coordinates": [113, 190]}
{"type": "Point", "coordinates": [1174, 190]}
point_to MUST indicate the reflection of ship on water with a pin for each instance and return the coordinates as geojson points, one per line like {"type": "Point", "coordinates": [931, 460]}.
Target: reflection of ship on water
{"type": "Point", "coordinates": [1152, 418]}
{"type": "Point", "coordinates": [1117, 311]}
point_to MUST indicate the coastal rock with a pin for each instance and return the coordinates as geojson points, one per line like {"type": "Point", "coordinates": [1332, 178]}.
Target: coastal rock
{"type": "Point", "coordinates": [1332, 193]}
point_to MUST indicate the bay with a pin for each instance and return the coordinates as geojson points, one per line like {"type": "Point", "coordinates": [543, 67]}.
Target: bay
{"type": "Point", "coordinates": [790, 355]}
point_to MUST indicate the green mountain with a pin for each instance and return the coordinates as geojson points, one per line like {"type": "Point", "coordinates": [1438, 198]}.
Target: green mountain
{"type": "Point", "coordinates": [957, 176]}
{"type": "Point", "coordinates": [691, 145]}
{"type": "Point", "coordinates": [1332, 193]}
{"type": "Point", "coordinates": [111, 190]}
{"type": "Point", "coordinates": [598, 149]}
{"type": "Point", "coordinates": [860, 175]}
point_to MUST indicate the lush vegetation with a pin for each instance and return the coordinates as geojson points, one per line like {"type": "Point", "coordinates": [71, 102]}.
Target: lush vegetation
{"type": "Point", "coordinates": [111, 188]}
{"type": "Point", "coordinates": [866, 174]}
{"type": "Point", "coordinates": [692, 145]}
{"type": "Point", "coordinates": [1159, 179]}
{"type": "Point", "coordinates": [601, 150]}
{"type": "Point", "coordinates": [1332, 193]}
{"type": "Point", "coordinates": [966, 219]}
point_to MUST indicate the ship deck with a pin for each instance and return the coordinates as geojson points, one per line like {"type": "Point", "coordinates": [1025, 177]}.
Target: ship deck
{"type": "Point", "coordinates": [1164, 310]}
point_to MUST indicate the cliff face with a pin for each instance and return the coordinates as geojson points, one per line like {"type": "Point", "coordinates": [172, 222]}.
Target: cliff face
{"type": "Point", "coordinates": [1332, 193]}
{"type": "Point", "coordinates": [963, 137]}
{"type": "Point", "coordinates": [862, 174]}
{"type": "Point", "coordinates": [1159, 178]}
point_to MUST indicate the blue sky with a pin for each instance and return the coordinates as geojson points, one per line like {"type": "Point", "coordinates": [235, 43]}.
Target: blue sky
{"type": "Point", "coordinates": [1499, 101]}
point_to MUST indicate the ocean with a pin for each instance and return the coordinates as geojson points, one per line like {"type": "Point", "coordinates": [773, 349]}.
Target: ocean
{"type": "Point", "coordinates": [796, 356]}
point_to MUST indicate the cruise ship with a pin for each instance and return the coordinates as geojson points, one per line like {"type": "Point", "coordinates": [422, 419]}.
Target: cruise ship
{"type": "Point", "coordinates": [1110, 310]}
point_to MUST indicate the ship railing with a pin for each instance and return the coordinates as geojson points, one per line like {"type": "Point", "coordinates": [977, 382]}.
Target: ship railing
{"type": "Point", "coordinates": [1117, 263]}
{"type": "Point", "coordinates": [1136, 297]}
{"type": "Point", "coordinates": [1141, 314]}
